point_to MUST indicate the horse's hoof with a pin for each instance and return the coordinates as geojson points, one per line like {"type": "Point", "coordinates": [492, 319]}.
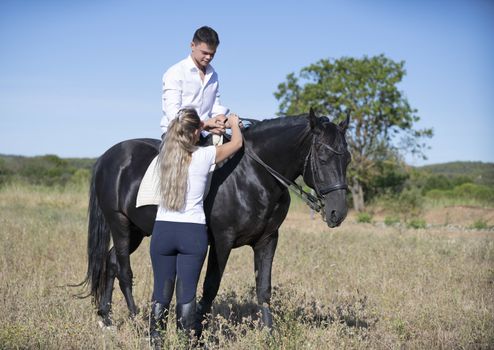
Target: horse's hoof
{"type": "Point", "coordinates": [105, 321]}
{"type": "Point", "coordinates": [106, 328]}
{"type": "Point", "coordinates": [266, 318]}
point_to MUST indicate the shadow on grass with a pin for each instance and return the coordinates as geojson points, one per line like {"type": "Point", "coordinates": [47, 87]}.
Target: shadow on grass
{"type": "Point", "coordinates": [235, 315]}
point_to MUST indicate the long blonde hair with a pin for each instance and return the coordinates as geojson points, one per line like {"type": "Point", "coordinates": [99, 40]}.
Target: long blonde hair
{"type": "Point", "coordinates": [174, 158]}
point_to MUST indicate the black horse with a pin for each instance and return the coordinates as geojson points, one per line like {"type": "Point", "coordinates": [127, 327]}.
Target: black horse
{"type": "Point", "coordinates": [246, 205]}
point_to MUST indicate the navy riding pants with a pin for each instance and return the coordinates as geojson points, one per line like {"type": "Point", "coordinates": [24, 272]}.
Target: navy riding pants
{"type": "Point", "coordinates": [177, 252]}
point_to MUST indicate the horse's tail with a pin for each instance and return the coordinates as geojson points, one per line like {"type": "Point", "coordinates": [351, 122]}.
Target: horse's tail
{"type": "Point", "coordinates": [98, 243]}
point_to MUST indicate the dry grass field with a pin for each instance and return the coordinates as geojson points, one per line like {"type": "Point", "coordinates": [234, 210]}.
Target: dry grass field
{"type": "Point", "coordinates": [360, 286]}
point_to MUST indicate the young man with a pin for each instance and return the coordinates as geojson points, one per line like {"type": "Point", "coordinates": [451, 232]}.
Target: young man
{"type": "Point", "coordinates": [193, 83]}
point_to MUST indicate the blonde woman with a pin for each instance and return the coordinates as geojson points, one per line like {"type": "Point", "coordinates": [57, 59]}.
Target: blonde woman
{"type": "Point", "coordinates": [179, 241]}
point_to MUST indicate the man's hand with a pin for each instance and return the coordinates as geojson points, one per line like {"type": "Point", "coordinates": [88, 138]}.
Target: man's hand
{"type": "Point", "coordinates": [216, 125]}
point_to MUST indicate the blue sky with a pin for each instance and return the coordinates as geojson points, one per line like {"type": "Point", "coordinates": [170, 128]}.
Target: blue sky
{"type": "Point", "coordinates": [77, 77]}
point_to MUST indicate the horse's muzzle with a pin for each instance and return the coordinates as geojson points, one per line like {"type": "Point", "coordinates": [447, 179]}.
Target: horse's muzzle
{"type": "Point", "coordinates": [335, 209]}
{"type": "Point", "coordinates": [335, 219]}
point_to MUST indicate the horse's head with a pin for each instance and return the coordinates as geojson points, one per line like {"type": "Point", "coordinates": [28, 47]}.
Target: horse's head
{"type": "Point", "coordinates": [326, 164]}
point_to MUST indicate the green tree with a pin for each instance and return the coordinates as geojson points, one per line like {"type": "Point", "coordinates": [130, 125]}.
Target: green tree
{"type": "Point", "coordinates": [366, 88]}
{"type": "Point", "coordinates": [391, 176]}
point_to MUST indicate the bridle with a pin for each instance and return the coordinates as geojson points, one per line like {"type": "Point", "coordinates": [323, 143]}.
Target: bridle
{"type": "Point", "coordinates": [314, 202]}
{"type": "Point", "coordinates": [314, 167]}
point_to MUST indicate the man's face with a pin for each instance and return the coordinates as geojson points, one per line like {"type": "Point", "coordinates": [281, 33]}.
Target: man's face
{"type": "Point", "coordinates": [202, 54]}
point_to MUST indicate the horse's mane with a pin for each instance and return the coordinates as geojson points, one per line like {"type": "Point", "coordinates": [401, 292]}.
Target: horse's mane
{"type": "Point", "coordinates": [267, 124]}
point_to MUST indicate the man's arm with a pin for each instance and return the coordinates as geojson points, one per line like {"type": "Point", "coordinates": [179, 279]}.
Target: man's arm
{"type": "Point", "coordinates": [171, 98]}
{"type": "Point", "coordinates": [218, 108]}
{"type": "Point", "coordinates": [216, 124]}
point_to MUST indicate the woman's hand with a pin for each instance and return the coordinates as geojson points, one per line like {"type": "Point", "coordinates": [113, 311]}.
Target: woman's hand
{"type": "Point", "coordinates": [233, 119]}
{"type": "Point", "coordinates": [216, 125]}
{"type": "Point", "coordinates": [227, 149]}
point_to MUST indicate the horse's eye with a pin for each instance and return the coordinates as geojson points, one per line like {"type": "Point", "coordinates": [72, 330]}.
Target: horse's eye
{"type": "Point", "coordinates": [324, 154]}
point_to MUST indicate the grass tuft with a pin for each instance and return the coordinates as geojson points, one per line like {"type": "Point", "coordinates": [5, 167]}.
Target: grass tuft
{"type": "Point", "coordinates": [416, 223]}
{"type": "Point", "coordinates": [364, 218]}
{"type": "Point", "coordinates": [480, 224]}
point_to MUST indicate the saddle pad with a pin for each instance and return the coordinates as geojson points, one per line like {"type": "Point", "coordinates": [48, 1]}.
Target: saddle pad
{"type": "Point", "coordinates": [148, 193]}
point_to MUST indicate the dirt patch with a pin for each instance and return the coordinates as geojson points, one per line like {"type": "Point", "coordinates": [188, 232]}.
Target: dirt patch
{"type": "Point", "coordinates": [456, 216]}
{"type": "Point", "coordinates": [459, 215]}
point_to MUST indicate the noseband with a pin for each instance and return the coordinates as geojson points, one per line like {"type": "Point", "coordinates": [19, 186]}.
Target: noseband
{"type": "Point", "coordinates": [321, 191]}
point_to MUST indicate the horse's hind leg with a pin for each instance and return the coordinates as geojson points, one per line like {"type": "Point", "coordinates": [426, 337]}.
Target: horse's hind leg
{"type": "Point", "coordinates": [104, 309]}
{"type": "Point", "coordinates": [112, 268]}
{"type": "Point", "coordinates": [124, 243]}
{"type": "Point", "coordinates": [263, 262]}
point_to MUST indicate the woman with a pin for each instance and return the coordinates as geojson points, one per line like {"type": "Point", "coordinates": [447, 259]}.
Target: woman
{"type": "Point", "coordinates": [179, 241]}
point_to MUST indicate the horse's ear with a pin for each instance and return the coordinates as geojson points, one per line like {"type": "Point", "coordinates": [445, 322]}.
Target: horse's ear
{"type": "Point", "coordinates": [312, 118]}
{"type": "Point", "coordinates": [344, 124]}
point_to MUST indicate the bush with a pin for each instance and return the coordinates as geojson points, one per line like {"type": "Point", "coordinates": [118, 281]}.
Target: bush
{"type": "Point", "coordinates": [466, 191]}
{"type": "Point", "coordinates": [416, 223]}
{"type": "Point", "coordinates": [437, 182]}
{"type": "Point", "coordinates": [410, 203]}
{"type": "Point", "coordinates": [81, 177]}
{"type": "Point", "coordinates": [479, 224]}
{"type": "Point", "coordinates": [5, 172]}
{"type": "Point", "coordinates": [48, 170]}
{"type": "Point", "coordinates": [364, 218]}
{"type": "Point", "coordinates": [391, 220]}
{"type": "Point", "coordinates": [390, 178]}
{"type": "Point", "coordinates": [479, 192]}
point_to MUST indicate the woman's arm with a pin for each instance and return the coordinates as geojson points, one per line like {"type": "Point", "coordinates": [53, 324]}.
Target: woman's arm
{"type": "Point", "coordinates": [227, 149]}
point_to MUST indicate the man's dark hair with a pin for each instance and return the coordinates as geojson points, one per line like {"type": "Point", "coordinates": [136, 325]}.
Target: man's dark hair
{"type": "Point", "coordinates": [206, 35]}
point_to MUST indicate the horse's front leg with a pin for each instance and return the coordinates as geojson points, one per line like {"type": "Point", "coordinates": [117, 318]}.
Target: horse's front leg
{"type": "Point", "coordinates": [263, 262]}
{"type": "Point", "coordinates": [218, 256]}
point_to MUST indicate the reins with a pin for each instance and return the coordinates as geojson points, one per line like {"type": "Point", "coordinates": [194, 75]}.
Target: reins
{"type": "Point", "coordinates": [315, 203]}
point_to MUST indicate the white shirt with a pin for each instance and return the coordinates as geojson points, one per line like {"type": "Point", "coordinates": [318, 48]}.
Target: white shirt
{"type": "Point", "coordinates": [200, 165]}
{"type": "Point", "coordinates": [183, 87]}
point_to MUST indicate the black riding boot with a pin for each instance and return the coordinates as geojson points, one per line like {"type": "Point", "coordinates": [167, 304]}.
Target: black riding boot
{"type": "Point", "coordinates": [157, 324]}
{"type": "Point", "coordinates": [186, 321]}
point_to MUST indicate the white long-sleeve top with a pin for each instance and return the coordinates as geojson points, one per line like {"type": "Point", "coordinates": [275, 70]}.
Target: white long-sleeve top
{"type": "Point", "coordinates": [183, 87]}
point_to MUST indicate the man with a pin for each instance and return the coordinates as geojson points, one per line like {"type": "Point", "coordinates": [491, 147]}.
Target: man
{"type": "Point", "coordinates": [193, 83]}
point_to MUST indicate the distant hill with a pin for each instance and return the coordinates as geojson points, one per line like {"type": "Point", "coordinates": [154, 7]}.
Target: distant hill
{"type": "Point", "coordinates": [16, 162]}
{"type": "Point", "coordinates": [52, 169]}
{"type": "Point", "coordinates": [45, 170]}
{"type": "Point", "coordinates": [479, 172]}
